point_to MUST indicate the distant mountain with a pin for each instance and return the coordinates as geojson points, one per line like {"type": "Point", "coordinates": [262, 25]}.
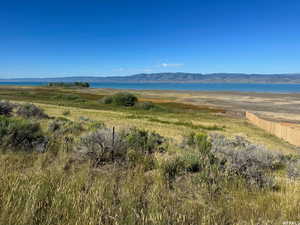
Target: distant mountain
{"type": "Point", "coordinates": [176, 78]}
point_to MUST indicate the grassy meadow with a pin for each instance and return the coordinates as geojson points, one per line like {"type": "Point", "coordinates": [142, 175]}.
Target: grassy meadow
{"type": "Point", "coordinates": [155, 162]}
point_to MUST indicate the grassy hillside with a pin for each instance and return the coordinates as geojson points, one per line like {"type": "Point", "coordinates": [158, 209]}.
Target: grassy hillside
{"type": "Point", "coordinates": [82, 161]}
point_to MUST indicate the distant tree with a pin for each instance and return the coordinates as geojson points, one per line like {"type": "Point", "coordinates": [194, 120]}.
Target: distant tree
{"type": "Point", "coordinates": [74, 84]}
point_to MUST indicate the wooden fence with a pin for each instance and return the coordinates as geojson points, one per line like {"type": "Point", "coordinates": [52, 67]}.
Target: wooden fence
{"type": "Point", "coordinates": [286, 131]}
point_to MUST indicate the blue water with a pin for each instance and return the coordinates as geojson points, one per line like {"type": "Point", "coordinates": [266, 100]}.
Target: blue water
{"type": "Point", "coordinates": [275, 88]}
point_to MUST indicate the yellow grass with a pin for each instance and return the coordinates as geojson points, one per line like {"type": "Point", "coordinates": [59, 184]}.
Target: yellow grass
{"type": "Point", "coordinates": [233, 126]}
{"type": "Point", "coordinates": [40, 189]}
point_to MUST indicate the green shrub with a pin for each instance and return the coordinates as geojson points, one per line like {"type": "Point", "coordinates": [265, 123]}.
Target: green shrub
{"type": "Point", "coordinates": [145, 105]}
{"type": "Point", "coordinates": [20, 134]}
{"type": "Point", "coordinates": [173, 167]}
{"type": "Point", "coordinates": [66, 113]}
{"type": "Point", "coordinates": [31, 111]}
{"type": "Point", "coordinates": [199, 141]}
{"type": "Point", "coordinates": [68, 97]}
{"type": "Point", "coordinates": [82, 84]}
{"type": "Point", "coordinates": [143, 140]}
{"type": "Point", "coordinates": [202, 142]}
{"type": "Point", "coordinates": [106, 100]}
{"type": "Point", "coordinates": [192, 162]}
{"type": "Point", "coordinates": [64, 84]}
{"type": "Point", "coordinates": [57, 124]}
{"type": "Point", "coordinates": [120, 99]}
{"type": "Point", "coordinates": [64, 126]}
{"type": "Point", "coordinates": [94, 125]}
{"type": "Point", "coordinates": [135, 158]}
{"type": "Point", "coordinates": [124, 99]}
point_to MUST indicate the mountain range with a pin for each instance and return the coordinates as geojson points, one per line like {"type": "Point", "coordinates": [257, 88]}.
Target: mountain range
{"type": "Point", "coordinates": [174, 78]}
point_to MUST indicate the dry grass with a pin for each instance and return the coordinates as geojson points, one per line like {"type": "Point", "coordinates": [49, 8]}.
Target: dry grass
{"type": "Point", "coordinates": [120, 120]}
{"type": "Point", "coordinates": [46, 188]}
{"type": "Point", "coordinates": [34, 194]}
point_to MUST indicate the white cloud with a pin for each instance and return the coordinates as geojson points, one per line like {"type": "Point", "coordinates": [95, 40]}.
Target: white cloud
{"type": "Point", "coordinates": [119, 69]}
{"type": "Point", "coordinates": [147, 70]}
{"type": "Point", "coordinates": [165, 65]}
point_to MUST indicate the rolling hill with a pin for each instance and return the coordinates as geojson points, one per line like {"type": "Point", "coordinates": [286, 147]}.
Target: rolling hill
{"type": "Point", "coordinates": [175, 77]}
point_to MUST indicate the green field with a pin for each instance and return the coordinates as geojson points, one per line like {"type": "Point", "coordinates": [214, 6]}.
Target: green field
{"type": "Point", "coordinates": [178, 181]}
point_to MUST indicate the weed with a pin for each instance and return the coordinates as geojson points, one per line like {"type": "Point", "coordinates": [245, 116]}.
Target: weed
{"type": "Point", "coordinates": [31, 111]}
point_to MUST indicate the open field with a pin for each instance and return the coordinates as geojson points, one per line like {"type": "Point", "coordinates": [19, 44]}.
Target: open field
{"type": "Point", "coordinates": [178, 108]}
{"type": "Point", "coordinates": [271, 105]}
{"type": "Point", "coordinates": [176, 182]}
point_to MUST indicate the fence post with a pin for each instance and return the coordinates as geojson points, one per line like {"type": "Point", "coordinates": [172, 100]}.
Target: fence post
{"type": "Point", "coordinates": [113, 143]}
{"type": "Point", "coordinates": [113, 136]}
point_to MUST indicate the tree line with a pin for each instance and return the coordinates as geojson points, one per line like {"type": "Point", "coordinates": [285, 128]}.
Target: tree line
{"type": "Point", "coordinates": [71, 84]}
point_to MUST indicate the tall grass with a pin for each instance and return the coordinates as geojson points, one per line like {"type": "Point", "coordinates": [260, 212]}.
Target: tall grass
{"type": "Point", "coordinates": [57, 188]}
{"type": "Point", "coordinates": [114, 196]}
{"type": "Point", "coordinates": [156, 183]}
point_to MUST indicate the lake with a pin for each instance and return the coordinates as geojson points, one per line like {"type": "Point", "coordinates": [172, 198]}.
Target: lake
{"type": "Point", "coordinates": [275, 88]}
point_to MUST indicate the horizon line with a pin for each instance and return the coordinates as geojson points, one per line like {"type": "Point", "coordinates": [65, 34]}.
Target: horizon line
{"type": "Point", "coordinates": [108, 76]}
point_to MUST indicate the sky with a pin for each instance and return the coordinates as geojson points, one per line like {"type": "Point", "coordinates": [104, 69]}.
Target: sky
{"type": "Point", "coordinates": [123, 37]}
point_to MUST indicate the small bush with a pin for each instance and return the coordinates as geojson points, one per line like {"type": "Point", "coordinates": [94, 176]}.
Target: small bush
{"type": "Point", "coordinates": [131, 146]}
{"type": "Point", "coordinates": [145, 105]}
{"type": "Point", "coordinates": [62, 126]}
{"type": "Point", "coordinates": [293, 169]}
{"type": "Point", "coordinates": [57, 124]}
{"type": "Point", "coordinates": [251, 162]}
{"type": "Point", "coordinates": [68, 97]}
{"type": "Point", "coordinates": [120, 99]}
{"type": "Point", "coordinates": [135, 158]}
{"type": "Point", "coordinates": [84, 119]}
{"type": "Point", "coordinates": [199, 141]}
{"type": "Point", "coordinates": [106, 100]}
{"type": "Point", "coordinates": [31, 111]}
{"type": "Point", "coordinates": [144, 141]}
{"type": "Point", "coordinates": [102, 146]}
{"type": "Point", "coordinates": [91, 124]}
{"type": "Point", "coordinates": [20, 134]}
{"type": "Point", "coordinates": [74, 84]}
{"type": "Point", "coordinates": [6, 108]}
{"type": "Point", "coordinates": [95, 125]}
{"type": "Point", "coordinates": [233, 158]}
{"type": "Point", "coordinates": [66, 113]}
{"type": "Point", "coordinates": [192, 162]}
{"type": "Point", "coordinates": [172, 167]}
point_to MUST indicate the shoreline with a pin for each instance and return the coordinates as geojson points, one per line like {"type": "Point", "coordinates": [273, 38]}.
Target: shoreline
{"type": "Point", "coordinates": [274, 106]}
{"type": "Point", "coordinates": [168, 90]}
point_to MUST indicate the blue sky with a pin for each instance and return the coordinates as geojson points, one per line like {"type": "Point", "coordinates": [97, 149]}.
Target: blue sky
{"type": "Point", "coordinates": [110, 37]}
